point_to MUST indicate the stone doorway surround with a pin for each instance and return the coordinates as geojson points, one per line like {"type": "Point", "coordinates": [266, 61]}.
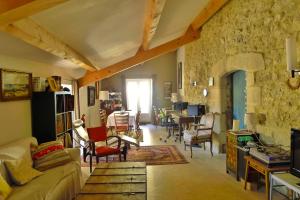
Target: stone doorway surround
{"type": "Point", "coordinates": [248, 62]}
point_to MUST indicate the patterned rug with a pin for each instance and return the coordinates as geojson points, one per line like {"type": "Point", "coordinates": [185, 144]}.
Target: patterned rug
{"type": "Point", "coordinates": [152, 155]}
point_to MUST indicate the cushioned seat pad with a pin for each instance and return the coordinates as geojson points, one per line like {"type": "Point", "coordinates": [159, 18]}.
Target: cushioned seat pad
{"type": "Point", "coordinates": [104, 150]}
{"type": "Point", "coordinates": [193, 136]}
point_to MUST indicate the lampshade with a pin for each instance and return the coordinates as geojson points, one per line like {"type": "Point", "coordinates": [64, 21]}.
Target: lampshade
{"type": "Point", "coordinates": [103, 95]}
{"type": "Point", "coordinates": [174, 97]}
{"type": "Point", "coordinates": [250, 121]}
{"type": "Point", "coordinates": [235, 125]}
{"type": "Point", "coordinates": [291, 53]}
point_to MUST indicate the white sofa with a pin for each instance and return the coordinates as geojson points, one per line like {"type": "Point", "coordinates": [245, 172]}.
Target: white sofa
{"type": "Point", "coordinates": [58, 183]}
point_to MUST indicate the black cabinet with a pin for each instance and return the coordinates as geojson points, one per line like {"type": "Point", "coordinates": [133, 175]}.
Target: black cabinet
{"type": "Point", "coordinates": [52, 116]}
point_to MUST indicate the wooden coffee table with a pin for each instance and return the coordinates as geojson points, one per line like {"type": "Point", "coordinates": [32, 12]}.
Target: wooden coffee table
{"type": "Point", "coordinates": [116, 180]}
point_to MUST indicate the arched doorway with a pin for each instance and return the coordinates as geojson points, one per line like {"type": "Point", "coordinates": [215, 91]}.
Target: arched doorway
{"type": "Point", "coordinates": [235, 98]}
{"type": "Point", "coordinates": [218, 101]}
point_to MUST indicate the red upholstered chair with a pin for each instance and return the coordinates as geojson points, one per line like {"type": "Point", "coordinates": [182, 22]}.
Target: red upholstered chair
{"type": "Point", "coordinates": [99, 134]}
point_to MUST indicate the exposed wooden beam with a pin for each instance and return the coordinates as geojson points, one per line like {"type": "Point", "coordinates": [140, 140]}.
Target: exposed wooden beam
{"type": "Point", "coordinates": [212, 7]}
{"type": "Point", "coordinates": [153, 13]}
{"type": "Point", "coordinates": [140, 57]}
{"type": "Point", "coordinates": [14, 10]}
{"type": "Point", "coordinates": [32, 33]}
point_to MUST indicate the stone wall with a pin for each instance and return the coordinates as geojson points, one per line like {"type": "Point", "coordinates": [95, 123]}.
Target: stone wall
{"type": "Point", "coordinates": [248, 35]}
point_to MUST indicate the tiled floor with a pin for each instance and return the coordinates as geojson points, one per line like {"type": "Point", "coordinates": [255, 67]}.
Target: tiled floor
{"type": "Point", "coordinates": [204, 177]}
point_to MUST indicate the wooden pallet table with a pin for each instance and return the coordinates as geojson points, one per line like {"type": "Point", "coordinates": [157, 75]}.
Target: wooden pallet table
{"type": "Point", "coordinates": [116, 180]}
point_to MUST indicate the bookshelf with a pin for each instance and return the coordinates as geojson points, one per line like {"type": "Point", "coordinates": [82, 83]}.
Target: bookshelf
{"type": "Point", "coordinates": [52, 116]}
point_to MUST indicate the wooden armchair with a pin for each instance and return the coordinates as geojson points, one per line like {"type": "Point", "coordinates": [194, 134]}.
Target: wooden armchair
{"type": "Point", "coordinates": [99, 134]}
{"type": "Point", "coordinates": [89, 141]}
{"type": "Point", "coordinates": [202, 134]}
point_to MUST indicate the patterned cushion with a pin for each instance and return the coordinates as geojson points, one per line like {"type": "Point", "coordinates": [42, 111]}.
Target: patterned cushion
{"type": "Point", "coordinates": [49, 155]}
{"type": "Point", "coordinates": [20, 171]}
{"type": "Point", "coordinates": [5, 189]}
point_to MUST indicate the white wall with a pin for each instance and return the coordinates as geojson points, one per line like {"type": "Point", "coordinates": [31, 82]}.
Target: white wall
{"type": "Point", "coordinates": [15, 116]}
{"type": "Point", "coordinates": [91, 112]}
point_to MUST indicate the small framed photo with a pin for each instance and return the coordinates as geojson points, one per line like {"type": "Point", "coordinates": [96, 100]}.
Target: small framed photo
{"type": "Point", "coordinates": [167, 89]}
{"type": "Point", "coordinates": [53, 85]}
{"type": "Point", "coordinates": [15, 85]}
{"type": "Point", "coordinates": [91, 95]}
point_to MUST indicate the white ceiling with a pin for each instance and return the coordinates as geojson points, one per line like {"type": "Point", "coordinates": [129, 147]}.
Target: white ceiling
{"type": "Point", "coordinates": [103, 31]}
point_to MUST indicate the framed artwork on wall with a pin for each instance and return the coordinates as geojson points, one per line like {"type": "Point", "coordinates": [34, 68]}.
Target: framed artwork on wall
{"type": "Point", "coordinates": [91, 95]}
{"type": "Point", "coordinates": [167, 89]}
{"type": "Point", "coordinates": [15, 85]}
{"type": "Point", "coordinates": [179, 75]}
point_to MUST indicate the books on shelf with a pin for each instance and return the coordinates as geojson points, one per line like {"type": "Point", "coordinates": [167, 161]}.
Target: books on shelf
{"type": "Point", "coordinates": [60, 124]}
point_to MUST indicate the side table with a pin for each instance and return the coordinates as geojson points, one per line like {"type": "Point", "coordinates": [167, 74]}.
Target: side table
{"type": "Point", "coordinates": [265, 170]}
{"type": "Point", "coordinates": [284, 179]}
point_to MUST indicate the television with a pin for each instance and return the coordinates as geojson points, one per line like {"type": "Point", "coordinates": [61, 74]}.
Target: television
{"type": "Point", "coordinates": [196, 110]}
{"type": "Point", "coordinates": [295, 152]}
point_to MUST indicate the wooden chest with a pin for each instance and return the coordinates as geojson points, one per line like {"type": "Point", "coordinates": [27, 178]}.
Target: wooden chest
{"type": "Point", "coordinates": [116, 180]}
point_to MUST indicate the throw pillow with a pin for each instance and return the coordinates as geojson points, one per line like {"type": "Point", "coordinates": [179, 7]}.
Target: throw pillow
{"type": "Point", "coordinates": [49, 155]}
{"type": "Point", "coordinates": [5, 189]}
{"type": "Point", "coordinates": [20, 172]}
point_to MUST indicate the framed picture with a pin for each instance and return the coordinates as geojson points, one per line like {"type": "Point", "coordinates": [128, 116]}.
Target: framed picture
{"type": "Point", "coordinates": [53, 85]}
{"type": "Point", "coordinates": [91, 95]}
{"type": "Point", "coordinates": [15, 85]}
{"type": "Point", "coordinates": [167, 89]}
{"type": "Point", "coordinates": [179, 74]}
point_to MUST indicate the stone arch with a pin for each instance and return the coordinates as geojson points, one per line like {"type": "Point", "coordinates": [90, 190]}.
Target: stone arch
{"type": "Point", "coordinates": [248, 62]}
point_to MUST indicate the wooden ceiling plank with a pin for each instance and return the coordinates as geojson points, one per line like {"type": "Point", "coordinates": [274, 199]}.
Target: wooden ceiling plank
{"type": "Point", "coordinates": [32, 33]}
{"type": "Point", "coordinates": [140, 57]}
{"type": "Point", "coordinates": [212, 7]}
{"type": "Point", "coordinates": [152, 17]}
{"type": "Point", "coordinates": [14, 10]}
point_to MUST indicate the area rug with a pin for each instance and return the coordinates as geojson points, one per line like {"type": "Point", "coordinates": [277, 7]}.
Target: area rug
{"type": "Point", "coordinates": [152, 155]}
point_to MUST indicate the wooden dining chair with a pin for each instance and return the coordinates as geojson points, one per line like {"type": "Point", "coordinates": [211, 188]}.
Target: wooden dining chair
{"type": "Point", "coordinates": [121, 122]}
{"type": "Point", "coordinates": [103, 117]}
{"type": "Point", "coordinates": [137, 120]}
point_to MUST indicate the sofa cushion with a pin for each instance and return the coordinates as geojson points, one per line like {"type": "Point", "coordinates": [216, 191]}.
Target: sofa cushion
{"type": "Point", "coordinates": [49, 155]}
{"type": "Point", "coordinates": [5, 189]}
{"type": "Point", "coordinates": [61, 182]}
{"type": "Point", "coordinates": [20, 172]}
{"type": "Point", "coordinates": [16, 150]}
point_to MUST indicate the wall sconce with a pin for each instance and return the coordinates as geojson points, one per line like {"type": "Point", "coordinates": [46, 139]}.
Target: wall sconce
{"type": "Point", "coordinates": [193, 83]}
{"type": "Point", "coordinates": [291, 55]}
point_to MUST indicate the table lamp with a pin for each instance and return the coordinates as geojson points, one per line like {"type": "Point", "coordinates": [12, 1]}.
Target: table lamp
{"type": "Point", "coordinates": [104, 97]}
{"type": "Point", "coordinates": [174, 97]}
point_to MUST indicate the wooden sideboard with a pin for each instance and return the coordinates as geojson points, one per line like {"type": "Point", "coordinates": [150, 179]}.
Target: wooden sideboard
{"type": "Point", "coordinates": [234, 155]}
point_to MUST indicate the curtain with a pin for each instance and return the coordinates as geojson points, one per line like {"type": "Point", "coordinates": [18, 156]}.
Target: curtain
{"type": "Point", "coordinates": [76, 98]}
{"type": "Point", "coordinates": [124, 94]}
